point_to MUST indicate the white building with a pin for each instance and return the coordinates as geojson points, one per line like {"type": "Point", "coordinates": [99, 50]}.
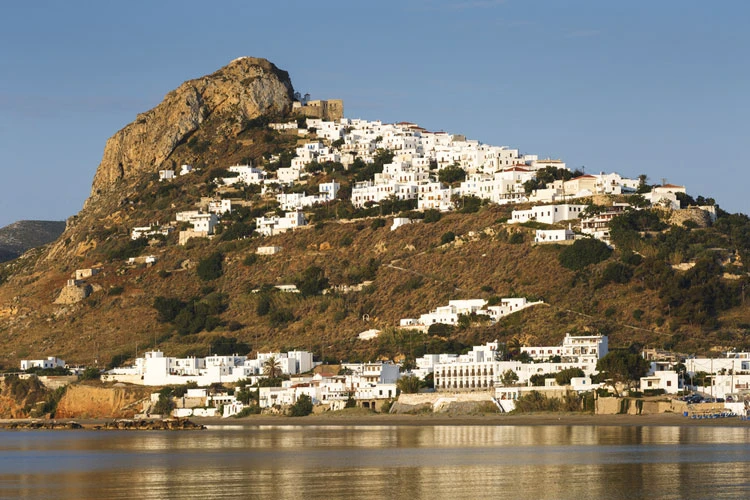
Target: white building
{"type": "Point", "coordinates": [268, 226]}
{"type": "Point", "coordinates": [156, 369]}
{"type": "Point", "coordinates": [48, 363]}
{"type": "Point", "coordinates": [150, 231]}
{"type": "Point", "coordinates": [297, 201]}
{"type": "Point", "coordinates": [548, 214]}
{"type": "Point", "coordinates": [554, 235]}
{"type": "Point", "coordinates": [268, 250]}
{"type": "Point", "coordinates": [220, 207]}
{"type": "Point", "coordinates": [246, 174]}
{"type": "Point", "coordinates": [450, 314]}
{"type": "Point", "coordinates": [585, 349]}
{"type": "Point", "coordinates": [668, 381]}
{"type": "Point", "coordinates": [483, 372]}
{"type": "Point", "coordinates": [597, 226]}
{"type": "Point", "coordinates": [166, 175]}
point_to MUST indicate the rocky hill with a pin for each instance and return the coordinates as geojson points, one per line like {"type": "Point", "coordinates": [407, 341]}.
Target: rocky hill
{"type": "Point", "coordinates": [20, 236]}
{"type": "Point", "coordinates": [678, 285]}
{"type": "Point", "coordinates": [243, 90]}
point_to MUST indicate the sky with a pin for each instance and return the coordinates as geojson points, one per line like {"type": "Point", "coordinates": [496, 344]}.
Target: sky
{"type": "Point", "coordinates": [636, 87]}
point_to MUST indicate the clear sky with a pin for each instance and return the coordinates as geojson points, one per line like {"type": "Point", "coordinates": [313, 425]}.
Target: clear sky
{"type": "Point", "coordinates": [655, 87]}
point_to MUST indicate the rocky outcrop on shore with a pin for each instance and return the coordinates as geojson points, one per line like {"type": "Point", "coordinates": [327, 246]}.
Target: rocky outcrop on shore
{"type": "Point", "coordinates": [85, 401]}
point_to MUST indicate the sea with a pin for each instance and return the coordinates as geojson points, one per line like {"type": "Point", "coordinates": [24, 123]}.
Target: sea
{"type": "Point", "coordinates": [367, 462]}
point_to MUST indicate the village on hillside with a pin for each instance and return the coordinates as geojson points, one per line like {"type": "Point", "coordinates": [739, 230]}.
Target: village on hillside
{"type": "Point", "coordinates": [428, 172]}
{"type": "Point", "coordinates": [437, 170]}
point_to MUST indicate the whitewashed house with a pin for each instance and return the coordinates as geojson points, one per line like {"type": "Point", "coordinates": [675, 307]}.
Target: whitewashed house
{"type": "Point", "coordinates": [246, 174]}
{"type": "Point", "coordinates": [47, 363]}
{"type": "Point", "coordinates": [668, 381]}
{"type": "Point", "coordinates": [268, 226]}
{"type": "Point", "coordinates": [166, 175]}
{"type": "Point", "coordinates": [548, 214]}
{"type": "Point", "coordinates": [544, 236]}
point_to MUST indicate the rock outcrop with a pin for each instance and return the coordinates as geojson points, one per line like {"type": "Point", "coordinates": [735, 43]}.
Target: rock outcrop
{"type": "Point", "coordinates": [82, 401]}
{"type": "Point", "coordinates": [244, 89]}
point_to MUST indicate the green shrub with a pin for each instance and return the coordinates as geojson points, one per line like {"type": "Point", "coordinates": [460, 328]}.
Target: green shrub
{"type": "Point", "coordinates": [210, 268]}
{"type": "Point", "coordinates": [312, 281]}
{"type": "Point", "coordinates": [451, 174]}
{"type": "Point", "coordinates": [447, 237]}
{"type": "Point", "coordinates": [563, 377]}
{"type": "Point", "coordinates": [431, 215]}
{"type": "Point", "coordinates": [302, 407]}
{"type": "Point", "coordinates": [377, 223]}
{"type": "Point", "coordinates": [583, 253]}
{"type": "Point", "coordinates": [247, 411]}
{"type": "Point", "coordinates": [90, 373]}
{"type": "Point", "coordinates": [616, 272]}
{"type": "Point", "coordinates": [237, 231]}
{"type": "Point", "coordinates": [263, 306]}
{"type": "Point", "coordinates": [346, 240]}
{"type": "Point", "coordinates": [516, 238]}
{"type": "Point", "coordinates": [167, 308]}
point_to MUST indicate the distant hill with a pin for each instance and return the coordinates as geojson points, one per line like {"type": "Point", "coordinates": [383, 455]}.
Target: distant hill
{"type": "Point", "coordinates": [20, 236]}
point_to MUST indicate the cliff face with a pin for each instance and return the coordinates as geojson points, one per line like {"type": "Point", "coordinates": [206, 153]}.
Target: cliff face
{"type": "Point", "coordinates": [82, 401]}
{"type": "Point", "coordinates": [244, 89]}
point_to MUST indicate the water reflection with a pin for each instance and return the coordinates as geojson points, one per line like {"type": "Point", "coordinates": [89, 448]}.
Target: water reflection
{"type": "Point", "coordinates": [374, 462]}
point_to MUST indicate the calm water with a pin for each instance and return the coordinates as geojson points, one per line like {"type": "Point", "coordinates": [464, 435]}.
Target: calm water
{"type": "Point", "coordinates": [352, 462]}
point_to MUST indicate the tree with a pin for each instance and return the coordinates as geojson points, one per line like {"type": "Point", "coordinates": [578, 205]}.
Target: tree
{"type": "Point", "coordinates": [263, 306]}
{"type": "Point", "coordinates": [210, 268]}
{"type": "Point", "coordinates": [583, 253]}
{"type": "Point", "coordinates": [508, 378]}
{"type": "Point", "coordinates": [538, 379]}
{"type": "Point", "coordinates": [272, 367]}
{"type": "Point", "coordinates": [91, 373]}
{"type": "Point", "coordinates": [312, 281]}
{"type": "Point", "coordinates": [303, 406]}
{"type": "Point", "coordinates": [622, 366]}
{"type": "Point", "coordinates": [514, 347]}
{"type": "Point", "coordinates": [563, 376]}
{"type": "Point", "coordinates": [451, 174]}
{"type": "Point", "coordinates": [164, 405]}
{"type": "Point", "coordinates": [245, 395]}
{"type": "Point", "coordinates": [409, 384]}
{"type": "Point", "coordinates": [167, 308]}
{"type": "Point", "coordinates": [447, 237]}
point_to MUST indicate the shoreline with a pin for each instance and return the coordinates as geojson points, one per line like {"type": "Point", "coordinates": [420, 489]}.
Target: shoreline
{"type": "Point", "coordinates": [429, 420]}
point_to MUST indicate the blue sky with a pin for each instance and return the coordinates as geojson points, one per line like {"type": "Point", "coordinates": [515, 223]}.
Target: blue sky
{"type": "Point", "coordinates": [655, 87]}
